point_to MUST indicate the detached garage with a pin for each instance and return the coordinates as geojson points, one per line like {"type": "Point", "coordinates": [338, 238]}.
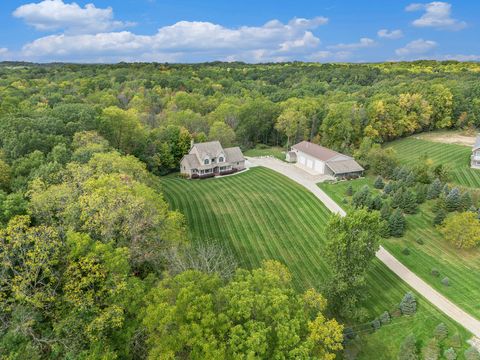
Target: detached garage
{"type": "Point", "coordinates": [317, 159]}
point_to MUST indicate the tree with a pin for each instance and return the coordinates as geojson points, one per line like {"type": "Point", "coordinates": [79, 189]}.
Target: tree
{"type": "Point", "coordinates": [388, 188]}
{"type": "Point", "coordinates": [461, 229]}
{"type": "Point", "coordinates": [378, 184]}
{"type": "Point", "coordinates": [291, 122]}
{"type": "Point", "coordinates": [408, 202]}
{"type": "Point", "coordinates": [434, 189]}
{"type": "Point", "coordinates": [4, 175]}
{"type": "Point", "coordinates": [466, 201]}
{"type": "Point", "coordinates": [440, 216]}
{"type": "Point", "coordinates": [361, 198]}
{"type": "Point", "coordinates": [450, 354]}
{"type": "Point", "coordinates": [431, 351]}
{"type": "Point", "coordinates": [195, 315]}
{"type": "Point", "coordinates": [472, 354]}
{"type": "Point", "coordinates": [223, 133]}
{"type": "Point", "coordinates": [382, 161]}
{"type": "Point", "coordinates": [421, 193]}
{"type": "Point", "coordinates": [408, 305]}
{"type": "Point", "coordinates": [352, 244]}
{"type": "Point", "coordinates": [452, 201]}
{"type": "Point", "coordinates": [349, 190]}
{"type": "Point", "coordinates": [408, 348]}
{"type": "Point", "coordinates": [397, 224]}
{"type": "Point", "coordinates": [441, 332]}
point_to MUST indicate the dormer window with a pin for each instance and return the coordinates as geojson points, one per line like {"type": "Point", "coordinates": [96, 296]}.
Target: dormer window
{"type": "Point", "coordinates": [221, 159]}
{"type": "Point", "coordinates": [206, 161]}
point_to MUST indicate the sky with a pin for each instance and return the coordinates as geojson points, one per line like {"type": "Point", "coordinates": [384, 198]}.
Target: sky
{"type": "Point", "coordinates": [254, 31]}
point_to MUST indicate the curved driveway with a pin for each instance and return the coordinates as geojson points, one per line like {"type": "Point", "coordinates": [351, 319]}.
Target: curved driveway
{"type": "Point", "coordinates": [438, 300]}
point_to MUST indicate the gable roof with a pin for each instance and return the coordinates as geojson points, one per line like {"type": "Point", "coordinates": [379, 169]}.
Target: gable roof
{"type": "Point", "coordinates": [192, 160]}
{"type": "Point", "coordinates": [344, 166]}
{"type": "Point", "coordinates": [317, 151]}
{"type": "Point", "coordinates": [477, 143]}
{"type": "Point", "coordinates": [233, 154]}
{"type": "Point", "coordinates": [211, 149]}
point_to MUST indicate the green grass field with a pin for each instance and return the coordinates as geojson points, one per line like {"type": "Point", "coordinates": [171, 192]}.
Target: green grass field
{"type": "Point", "coordinates": [275, 151]}
{"type": "Point", "coordinates": [260, 215]}
{"type": "Point", "coordinates": [456, 157]}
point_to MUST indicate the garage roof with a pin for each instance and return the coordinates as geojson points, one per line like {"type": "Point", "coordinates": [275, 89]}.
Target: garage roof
{"type": "Point", "coordinates": [317, 151]}
{"type": "Point", "coordinates": [344, 166]}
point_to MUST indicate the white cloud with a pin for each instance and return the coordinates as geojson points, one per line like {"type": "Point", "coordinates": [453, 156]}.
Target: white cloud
{"type": "Point", "coordinates": [362, 43]}
{"type": "Point", "coordinates": [459, 57]}
{"type": "Point", "coordinates": [437, 15]}
{"type": "Point", "coordinates": [3, 51]}
{"type": "Point", "coordinates": [387, 34]}
{"type": "Point", "coordinates": [52, 15]}
{"type": "Point", "coordinates": [416, 47]}
{"type": "Point", "coordinates": [184, 41]}
{"type": "Point", "coordinates": [330, 56]}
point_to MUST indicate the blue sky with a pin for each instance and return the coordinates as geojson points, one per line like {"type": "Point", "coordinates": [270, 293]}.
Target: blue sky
{"type": "Point", "coordinates": [247, 30]}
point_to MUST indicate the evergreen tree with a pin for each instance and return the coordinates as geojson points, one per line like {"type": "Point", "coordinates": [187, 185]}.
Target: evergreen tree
{"type": "Point", "coordinates": [440, 215]}
{"type": "Point", "coordinates": [431, 351]}
{"type": "Point", "coordinates": [446, 189]}
{"type": "Point", "coordinates": [410, 179]}
{"type": "Point", "coordinates": [450, 354]}
{"type": "Point", "coordinates": [376, 203]}
{"type": "Point", "coordinates": [466, 201]}
{"type": "Point", "coordinates": [441, 332]}
{"type": "Point", "coordinates": [408, 348]}
{"type": "Point", "coordinates": [397, 198]}
{"type": "Point", "coordinates": [408, 305]}
{"type": "Point", "coordinates": [434, 189]}
{"type": "Point", "coordinates": [472, 354]}
{"type": "Point", "coordinates": [421, 193]}
{"type": "Point", "coordinates": [349, 191]}
{"type": "Point", "coordinates": [361, 197]}
{"type": "Point", "coordinates": [388, 188]}
{"type": "Point", "coordinates": [409, 202]}
{"type": "Point", "coordinates": [385, 318]}
{"type": "Point", "coordinates": [385, 211]}
{"type": "Point", "coordinates": [378, 184]}
{"type": "Point", "coordinates": [452, 201]}
{"type": "Point", "coordinates": [396, 224]}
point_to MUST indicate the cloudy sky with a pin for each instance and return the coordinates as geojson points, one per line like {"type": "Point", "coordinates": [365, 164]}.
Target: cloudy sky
{"type": "Point", "coordinates": [247, 30]}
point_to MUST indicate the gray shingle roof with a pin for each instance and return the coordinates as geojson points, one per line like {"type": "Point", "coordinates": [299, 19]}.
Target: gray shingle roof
{"type": "Point", "coordinates": [233, 154]}
{"type": "Point", "coordinates": [211, 148]}
{"type": "Point", "coordinates": [192, 161]}
{"type": "Point", "coordinates": [317, 151]}
{"type": "Point", "coordinates": [344, 166]}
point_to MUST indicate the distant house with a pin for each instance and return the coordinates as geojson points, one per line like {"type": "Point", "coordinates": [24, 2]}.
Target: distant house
{"type": "Point", "coordinates": [318, 160]}
{"type": "Point", "coordinates": [210, 159]}
{"type": "Point", "coordinates": [475, 158]}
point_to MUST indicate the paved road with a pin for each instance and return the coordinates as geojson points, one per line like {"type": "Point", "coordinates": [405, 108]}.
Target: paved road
{"type": "Point", "coordinates": [441, 302]}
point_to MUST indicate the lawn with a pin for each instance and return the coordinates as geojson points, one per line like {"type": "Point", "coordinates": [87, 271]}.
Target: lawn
{"type": "Point", "coordinates": [456, 157]}
{"type": "Point", "coordinates": [260, 215]}
{"type": "Point", "coordinates": [274, 151]}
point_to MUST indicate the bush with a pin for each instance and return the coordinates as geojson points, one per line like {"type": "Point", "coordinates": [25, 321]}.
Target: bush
{"type": "Point", "coordinates": [431, 351]}
{"type": "Point", "coordinates": [446, 281]}
{"type": "Point", "coordinates": [408, 349]}
{"type": "Point", "coordinates": [408, 305]}
{"type": "Point", "coordinates": [456, 340]}
{"type": "Point", "coordinates": [385, 318]}
{"type": "Point", "coordinates": [472, 354]}
{"type": "Point", "coordinates": [349, 333]}
{"type": "Point", "coordinates": [349, 190]}
{"type": "Point", "coordinates": [440, 216]}
{"type": "Point", "coordinates": [379, 184]}
{"type": "Point", "coordinates": [450, 354]}
{"type": "Point", "coordinates": [435, 272]}
{"type": "Point", "coordinates": [419, 241]}
{"type": "Point", "coordinates": [376, 324]}
{"type": "Point", "coordinates": [406, 251]}
{"type": "Point", "coordinates": [441, 332]}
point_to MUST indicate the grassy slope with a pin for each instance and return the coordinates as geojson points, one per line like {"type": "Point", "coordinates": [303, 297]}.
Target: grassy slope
{"type": "Point", "coordinates": [461, 267]}
{"type": "Point", "coordinates": [263, 215]}
{"type": "Point", "coordinates": [457, 157]}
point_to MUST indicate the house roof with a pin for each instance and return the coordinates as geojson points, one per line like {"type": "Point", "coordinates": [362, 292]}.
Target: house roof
{"type": "Point", "coordinates": [317, 151]}
{"type": "Point", "coordinates": [233, 154]}
{"type": "Point", "coordinates": [192, 161]}
{"type": "Point", "coordinates": [210, 149]}
{"type": "Point", "coordinates": [292, 155]}
{"type": "Point", "coordinates": [477, 143]}
{"type": "Point", "coordinates": [344, 166]}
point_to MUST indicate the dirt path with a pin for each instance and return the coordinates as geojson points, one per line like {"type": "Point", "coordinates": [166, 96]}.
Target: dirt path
{"type": "Point", "coordinates": [438, 300]}
{"type": "Point", "coordinates": [448, 138]}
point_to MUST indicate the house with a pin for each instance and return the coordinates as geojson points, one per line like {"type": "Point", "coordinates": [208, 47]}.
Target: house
{"type": "Point", "coordinates": [210, 159]}
{"type": "Point", "coordinates": [319, 160]}
{"type": "Point", "coordinates": [475, 158]}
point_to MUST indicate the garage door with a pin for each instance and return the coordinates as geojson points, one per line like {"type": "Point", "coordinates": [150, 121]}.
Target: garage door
{"type": "Point", "coordinates": [309, 163]}
{"type": "Point", "coordinates": [319, 166]}
{"type": "Point", "coordinates": [301, 160]}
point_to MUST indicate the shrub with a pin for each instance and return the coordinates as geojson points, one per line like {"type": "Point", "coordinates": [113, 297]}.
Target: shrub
{"type": "Point", "coordinates": [450, 354]}
{"type": "Point", "coordinates": [408, 305]}
{"type": "Point", "coordinates": [446, 281]}
{"type": "Point", "coordinates": [439, 217]}
{"type": "Point", "coordinates": [385, 318]}
{"type": "Point", "coordinates": [349, 190]}
{"type": "Point", "coordinates": [419, 241]}
{"type": "Point", "coordinates": [408, 348]}
{"type": "Point", "coordinates": [406, 251]}
{"type": "Point", "coordinates": [466, 201]}
{"type": "Point", "coordinates": [376, 324]}
{"type": "Point", "coordinates": [472, 354]}
{"type": "Point", "coordinates": [435, 272]}
{"type": "Point", "coordinates": [456, 340]}
{"type": "Point", "coordinates": [431, 351]}
{"type": "Point", "coordinates": [349, 333]}
{"type": "Point", "coordinates": [441, 332]}
{"type": "Point", "coordinates": [379, 184]}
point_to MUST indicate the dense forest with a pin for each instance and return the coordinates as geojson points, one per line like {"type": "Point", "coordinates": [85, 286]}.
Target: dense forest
{"type": "Point", "coordinates": [94, 265]}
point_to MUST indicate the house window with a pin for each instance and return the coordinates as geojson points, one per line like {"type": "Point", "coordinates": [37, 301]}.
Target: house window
{"type": "Point", "coordinates": [213, 160]}
{"type": "Point", "coordinates": [206, 161]}
{"type": "Point", "coordinates": [220, 159]}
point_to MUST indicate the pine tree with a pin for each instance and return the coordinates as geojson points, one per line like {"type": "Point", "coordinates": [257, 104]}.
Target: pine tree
{"type": "Point", "coordinates": [434, 189]}
{"type": "Point", "coordinates": [410, 179]}
{"type": "Point", "coordinates": [440, 215]}
{"type": "Point", "coordinates": [421, 193]}
{"type": "Point", "coordinates": [441, 332]}
{"type": "Point", "coordinates": [376, 203]}
{"type": "Point", "coordinates": [396, 224]}
{"type": "Point", "coordinates": [378, 184]}
{"type": "Point", "coordinates": [385, 211]}
{"type": "Point", "coordinates": [349, 190]}
{"type": "Point", "coordinates": [408, 305]}
{"type": "Point", "coordinates": [385, 318]}
{"type": "Point", "coordinates": [452, 201]}
{"type": "Point", "coordinates": [431, 351]}
{"type": "Point", "coordinates": [361, 197]}
{"type": "Point", "coordinates": [472, 354]}
{"type": "Point", "coordinates": [408, 349]}
{"type": "Point", "coordinates": [450, 354]}
{"type": "Point", "coordinates": [446, 189]}
{"type": "Point", "coordinates": [466, 201]}
{"type": "Point", "coordinates": [409, 202]}
{"type": "Point", "coordinates": [388, 188]}
{"type": "Point", "coordinates": [397, 198]}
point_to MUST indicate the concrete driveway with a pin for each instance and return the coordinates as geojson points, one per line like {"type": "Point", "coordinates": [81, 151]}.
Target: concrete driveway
{"type": "Point", "coordinates": [438, 300]}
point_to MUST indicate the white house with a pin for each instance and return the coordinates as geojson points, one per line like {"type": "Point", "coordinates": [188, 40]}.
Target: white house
{"type": "Point", "coordinates": [319, 160]}
{"type": "Point", "coordinates": [475, 158]}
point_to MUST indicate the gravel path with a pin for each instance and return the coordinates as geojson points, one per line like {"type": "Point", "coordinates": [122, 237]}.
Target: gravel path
{"type": "Point", "coordinates": [438, 300]}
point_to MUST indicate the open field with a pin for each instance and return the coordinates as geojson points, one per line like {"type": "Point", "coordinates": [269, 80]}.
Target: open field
{"type": "Point", "coordinates": [263, 215]}
{"type": "Point", "coordinates": [462, 267]}
{"type": "Point", "coordinates": [456, 157]}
